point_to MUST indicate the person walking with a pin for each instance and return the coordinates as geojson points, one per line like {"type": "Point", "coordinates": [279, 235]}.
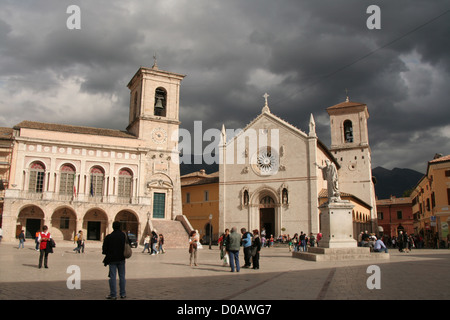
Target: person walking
{"type": "Point", "coordinates": [21, 240]}
{"type": "Point", "coordinates": [36, 240]}
{"type": "Point", "coordinates": [247, 244]}
{"type": "Point", "coordinates": [44, 246]}
{"type": "Point", "coordinates": [193, 248]}
{"type": "Point", "coordinates": [161, 243]}
{"type": "Point", "coordinates": [256, 248]}
{"type": "Point", "coordinates": [146, 243]}
{"type": "Point", "coordinates": [233, 247]}
{"type": "Point", "coordinates": [80, 242]}
{"type": "Point", "coordinates": [223, 240]}
{"type": "Point", "coordinates": [154, 243]}
{"type": "Point", "coordinates": [113, 248]}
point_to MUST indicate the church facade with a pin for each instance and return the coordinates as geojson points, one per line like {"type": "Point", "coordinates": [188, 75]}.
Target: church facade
{"type": "Point", "coordinates": [270, 176]}
{"type": "Point", "coordinates": [74, 178]}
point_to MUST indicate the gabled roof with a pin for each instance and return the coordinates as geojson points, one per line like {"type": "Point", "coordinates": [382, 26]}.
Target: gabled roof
{"type": "Point", "coordinates": [266, 113]}
{"type": "Point", "coordinates": [73, 129]}
{"type": "Point", "coordinates": [199, 178]}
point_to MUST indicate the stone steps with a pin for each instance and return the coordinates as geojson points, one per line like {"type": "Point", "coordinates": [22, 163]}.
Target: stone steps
{"type": "Point", "coordinates": [175, 235]}
{"type": "Point", "coordinates": [336, 254]}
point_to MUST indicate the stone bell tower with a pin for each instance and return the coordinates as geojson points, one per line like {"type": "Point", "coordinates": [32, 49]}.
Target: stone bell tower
{"type": "Point", "coordinates": [154, 119]}
{"type": "Point", "coordinates": [350, 146]}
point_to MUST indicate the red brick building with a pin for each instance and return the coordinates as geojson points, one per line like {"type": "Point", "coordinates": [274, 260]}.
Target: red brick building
{"type": "Point", "coordinates": [395, 214]}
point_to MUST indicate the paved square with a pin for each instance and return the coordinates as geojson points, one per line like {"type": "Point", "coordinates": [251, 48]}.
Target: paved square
{"type": "Point", "coordinates": [419, 275]}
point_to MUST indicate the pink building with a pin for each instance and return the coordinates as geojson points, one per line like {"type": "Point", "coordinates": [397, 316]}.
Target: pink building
{"type": "Point", "coordinates": [395, 214]}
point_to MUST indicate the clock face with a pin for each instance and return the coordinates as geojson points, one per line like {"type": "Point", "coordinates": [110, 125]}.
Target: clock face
{"type": "Point", "coordinates": [159, 135]}
{"type": "Point", "coordinates": [265, 162]}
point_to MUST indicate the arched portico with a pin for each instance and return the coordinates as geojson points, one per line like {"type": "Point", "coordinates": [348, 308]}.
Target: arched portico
{"type": "Point", "coordinates": [63, 223]}
{"type": "Point", "coordinates": [95, 222]}
{"type": "Point", "coordinates": [31, 219]}
{"type": "Point", "coordinates": [129, 221]}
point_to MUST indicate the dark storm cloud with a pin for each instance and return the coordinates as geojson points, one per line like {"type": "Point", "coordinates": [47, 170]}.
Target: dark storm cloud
{"type": "Point", "coordinates": [303, 53]}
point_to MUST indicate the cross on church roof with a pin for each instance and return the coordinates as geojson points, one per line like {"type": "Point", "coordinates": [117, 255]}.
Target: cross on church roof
{"type": "Point", "coordinates": [265, 98]}
{"type": "Point", "coordinates": [266, 105]}
{"type": "Point", "coordinates": [155, 65]}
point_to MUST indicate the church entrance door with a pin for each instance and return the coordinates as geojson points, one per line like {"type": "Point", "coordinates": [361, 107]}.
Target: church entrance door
{"type": "Point", "coordinates": [267, 220]}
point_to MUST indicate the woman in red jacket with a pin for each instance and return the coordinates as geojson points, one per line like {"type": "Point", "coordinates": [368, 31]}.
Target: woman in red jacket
{"type": "Point", "coordinates": [44, 246]}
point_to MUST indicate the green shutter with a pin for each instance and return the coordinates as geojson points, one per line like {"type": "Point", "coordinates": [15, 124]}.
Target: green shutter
{"type": "Point", "coordinates": [159, 205]}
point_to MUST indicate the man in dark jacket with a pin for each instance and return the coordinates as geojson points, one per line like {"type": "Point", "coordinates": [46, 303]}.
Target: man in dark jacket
{"type": "Point", "coordinates": [233, 246]}
{"type": "Point", "coordinates": [113, 247]}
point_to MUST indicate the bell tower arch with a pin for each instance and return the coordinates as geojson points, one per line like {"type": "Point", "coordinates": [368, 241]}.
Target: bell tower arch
{"type": "Point", "coordinates": [154, 102]}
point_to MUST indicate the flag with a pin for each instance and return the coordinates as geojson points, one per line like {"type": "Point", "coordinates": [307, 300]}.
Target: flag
{"type": "Point", "coordinates": [92, 189]}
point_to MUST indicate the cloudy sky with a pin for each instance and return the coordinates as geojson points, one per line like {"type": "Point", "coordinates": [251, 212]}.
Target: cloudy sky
{"type": "Point", "coordinates": [304, 54]}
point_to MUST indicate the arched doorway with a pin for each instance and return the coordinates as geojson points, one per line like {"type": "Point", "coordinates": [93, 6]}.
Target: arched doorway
{"type": "Point", "coordinates": [64, 223]}
{"type": "Point", "coordinates": [128, 221]}
{"type": "Point", "coordinates": [95, 222]}
{"type": "Point", "coordinates": [31, 220]}
{"type": "Point", "coordinates": [267, 215]}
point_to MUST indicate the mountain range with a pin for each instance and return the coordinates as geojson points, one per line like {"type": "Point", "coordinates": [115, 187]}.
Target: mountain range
{"type": "Point", "coordinates": [394, 182]}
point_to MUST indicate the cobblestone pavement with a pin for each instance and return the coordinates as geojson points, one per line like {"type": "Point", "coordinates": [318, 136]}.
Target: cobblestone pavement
{"type": "Point", "coordinates": [419, 275]}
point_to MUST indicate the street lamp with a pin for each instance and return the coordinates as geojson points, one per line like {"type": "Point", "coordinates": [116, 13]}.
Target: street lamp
{"type": "Point", "coordinates": [210, 230]}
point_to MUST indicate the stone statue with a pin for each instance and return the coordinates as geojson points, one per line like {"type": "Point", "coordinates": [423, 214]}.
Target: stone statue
{"type": "Point", "coordinates": [330, 174]}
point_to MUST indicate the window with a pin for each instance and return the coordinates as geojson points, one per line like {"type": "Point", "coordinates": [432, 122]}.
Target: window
{"type": "Point", "coordinates": [448, 196]}
{"type": "Point", "coordinates": [206, 193]}
{"type": "Point", "coordinates": [160, 102]}
{"type": "Point", "coordinates": [433, 200]}
{"type": "Point", "coordinates": [125, 183]}
{"type": "Point", "coordinates": [188, 197]}
{"type": "Point", "coordinates": [37, 174]}
{"type": "Point", "coordinates": [64, 223]}
{"type": "Point", "coordinates": [97, 178]}
{"type": "Point", "coordinates": [159, 205]}
{"type": "Point", "coordinates": [67, 180]}
{"type": "Point", "coordinates": [399, 215]}
{"type": "Point", "coordinates": [348, 131]}
{"type": "Point", "coordinates": [447, 173]}
{"type": "Point", "coordinates": [380, 215]}
{"type": "Point", "coordinates": [267, 200]}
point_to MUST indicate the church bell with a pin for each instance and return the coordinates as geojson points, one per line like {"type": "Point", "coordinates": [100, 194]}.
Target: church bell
{"type": "Point", "coordinates": [159, 104]}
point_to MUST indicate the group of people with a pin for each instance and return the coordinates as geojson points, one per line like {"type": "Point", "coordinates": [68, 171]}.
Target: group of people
{"type": "Point", "coordinates": [301, 242]}
{"type": "Point", "coordinates": [230, 243]}
{"type": "Point", "coordinates": [154, 242]}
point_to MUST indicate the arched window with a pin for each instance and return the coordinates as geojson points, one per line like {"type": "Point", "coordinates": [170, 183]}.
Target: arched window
{"type": "Point", "coordinates": [160, 102]}
{"type": "Point", "coordinates": [267, 200]}
{"type": "Point", "coordinates": [125, 183]}
{"type": "Point", "coordinates": [67, 179]}
{"type": "Point", "coordinates": [37, 175]}
{"type": "Point", "coordinates": [348, 131]}
{"type": "Point", "coordinates": [135, 105]}
{"type": "Point", "coordinates": [97, 180]}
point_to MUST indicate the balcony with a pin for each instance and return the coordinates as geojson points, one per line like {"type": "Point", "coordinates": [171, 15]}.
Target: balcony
{"type": "Point", "coordinates": [60, 197]}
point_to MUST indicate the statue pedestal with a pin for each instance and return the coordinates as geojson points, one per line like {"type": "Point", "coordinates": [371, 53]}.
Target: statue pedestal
{"type": "Point", "coordinates": [337, 241]}
{"type": "Point", "coordinates": [337, 225]}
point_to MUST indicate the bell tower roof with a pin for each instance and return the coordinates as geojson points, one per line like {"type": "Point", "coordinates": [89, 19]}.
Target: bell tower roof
{"type": "Point", "coordinates": [348, 107]}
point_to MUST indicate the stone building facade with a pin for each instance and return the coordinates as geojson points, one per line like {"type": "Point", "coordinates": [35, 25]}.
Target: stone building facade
{"type": "Point", "coordinates": [74, 178]}
{"type": "Point", "coordinates": [269, 174]}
